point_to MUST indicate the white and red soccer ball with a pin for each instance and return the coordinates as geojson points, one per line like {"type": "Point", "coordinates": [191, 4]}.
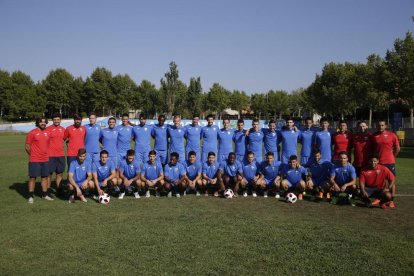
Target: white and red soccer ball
{"type": "Point", "coordinates": [104, 199]}
{"type": "Point", "coordinates": [228, 193]}
{"type": "Point", "coordinates": [291, 198]}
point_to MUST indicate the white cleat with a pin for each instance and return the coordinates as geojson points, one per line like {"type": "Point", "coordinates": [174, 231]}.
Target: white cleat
{"type": "Point", "coordinates": [136, 194]}
{"type": "Point", "coordinates": [121, 196]}
{"type": "Point", "coordinates": [169, 194]}
{"type": "Point", "coordinates": [83, 199]}
{"type": "Point", "coordinates": [265, 194]}
{"type": "Point", "coordinates": [277, 195]}
{"type": "Point", "coordinates": [178, 195]}
{"type": "Point", "coordinates": [30, 200]}
{"type": "Point", "coordinates": [245, 194]}
{"type": "Point", "coordinates": [47, 197]}
{"type": "Point", "coordinates": [198, 193]}
{"type": "Point", "coordinates": [254, 194]}
{"type": "Point", "coordinates": [147, 194]}
{"type": "Point", "coordinates": [71, 199]}
{"type": "Point", "coordinates": [157, 194]}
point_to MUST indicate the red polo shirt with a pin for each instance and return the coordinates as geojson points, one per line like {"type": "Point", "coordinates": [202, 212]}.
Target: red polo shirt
{"type": "Point", "coordinates": [56, 145]}
{"type": "Point", "coordinates": [75, 138]}
{"type": "Point", "coordinates": [384, 143]}
{"type": "Point", "coordinates": [362, 143]}
{"type": "Point", "coordinates": [375, 178]}
{"type": "Point", "coordinates": [39, 145]}
{"type": "Point", "coordinates": [341, 142]}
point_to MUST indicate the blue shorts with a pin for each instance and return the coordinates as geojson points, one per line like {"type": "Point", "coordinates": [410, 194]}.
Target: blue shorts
{"type": "Point", "coordinates": [162, 156]}
{"type": "Point", "coordinates": [305, 160]}
{"type": "Point", "coordinates": [292, 186]}
{"type": "Point", "coordinates": [269, 182]}
{"type": "Point", "coordinates": [391, 167]}
{"type": "Point", "coordinates": [318, 183]}
{"type": "Point", "coordinates": [57, 164]}
{"type": "Point", "coordinates": [38, 169]}
{"type": "Point", "coordinates": [92, 157]}
{"type": "Point", "coordinates": [240, 158]}
{"type": "Point", "coordinates": [69, 160]}
{"type": "Point", "coordinates": [141, 157]}
{"type": "Point", "coordinates": [114, 159]}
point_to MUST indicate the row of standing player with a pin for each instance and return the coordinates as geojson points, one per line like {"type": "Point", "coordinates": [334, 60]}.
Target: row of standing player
{"type": "Point", "coordinates": [116, 140]}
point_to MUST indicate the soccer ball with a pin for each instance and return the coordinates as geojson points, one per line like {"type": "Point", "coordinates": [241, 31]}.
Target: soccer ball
{"type": "Point", "coordinates": [291, 198]}
{"type": "Point", "coordinates": [228, 193]}
{"type": "Point", "coordinates": [104, 199]}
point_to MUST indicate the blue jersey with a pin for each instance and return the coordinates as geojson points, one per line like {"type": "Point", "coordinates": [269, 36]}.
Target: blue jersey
{"type": "Point", "coordinates": [344, 174]}
{"type": "Point", "coordinates": [80, 171]}
{"type": "Point", "coordinates": [250, 170]}
{"type": "Point", "coordinates": [93, 133]}
{"type": "Point", "coordinates": [130, 170]}
{"type": "Point", "coordinates": [270, 171]}
{"type": "Point", "coordinates": [225, 139]}
{"type": "Point", "coordinates": [103, 170]}
{"type": "Point", "coordinates": [192, 136]}
{"type": "Point", "coordinates": [255, 139]}
{"type": "Point", "coordinates": [176, 135]}
{"type": "Point", "coordinates": [239, 139]}
{"type": "Point", "coordinates": [174, 172]}
{"type": "Point", "coordinates": [159, 133]}
{"type": "Point", "coordinates": [210, 170]}
{"type": "Point", "coordinates": [271, 139]}
{"type": "Point", "coordinates": [320, 172]}
{"type": "Point", "coordinates": [323, 141]}
{"type": "Point", "coordinates": [124, 138]}
{"type": "Point", "coordinates": [193, 169]}
{"type": "Point", "coordinates": [109, 139]}
{"type": "Point", "coordinates": [152, 171]}
{"type": "Point", "coordinates": [142, 137]}
{"type": "Point", "coordinates": [307, 139]}
{"type": "Point", "coordinates": [231, 169]}
{"type": "Point", "coordinates": [209, 135]}
{"type": "Point", "coordinates": [293, 175]}
{"type": "Point", "coordinates": [289, 143]}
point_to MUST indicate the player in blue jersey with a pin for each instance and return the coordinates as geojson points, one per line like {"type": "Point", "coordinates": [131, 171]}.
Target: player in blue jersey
{"type": "Point", "coordinates": [80, 177]}
{"type": "Point", "coordinates": [270, 175]}
{"type": "Point", "coordinates": [176, 134]}
{"type": "Point", "coordinates": [343, 179]}
{"type": "Point", "coordinates": [192, 137]}
{"type": "Point", "coordinates": [104, 174]}
{"type": "Point", "coordinates": [193, 173]}
{"type": "Point", "coordinates": [307, 139]}
{"type": "Point", "coordinates": [251, 175]}
{"type": "Point", "coordinates": [159, 133]}
{"type": "Point", "coordinates": [129, 175]}
{"type": "Point", "coordinates": [323, 140]}
{"type": "Point", "coordinates": [142, 137]}
{"type": "Point", "coordinates": [225, 140]}
{"type": "Point", "coordinates": [124, 138]}
{"type": "Point", "coordinates": [93, 133]}
{"type": "Point", "coordinates": [231, 173]}
{"type": "Point", "coordinates": [152, 175]}
{"type": "Point", "coordinates": [271, 139]}
{"type": "Point", "coordinates": [319, 175]}
{"type": "Point", "coordinates": [289, 138]}
{"type": "Point", "coordinates": [174, 176]}
{"type": "Point", "coordinates": [209, 135]}
{"type": "Point", "coordinates": [210, 176]}
{"type": "Point", "coordinates": [239, 139]}
{"type": "Point", "coordinates": [293, 177]}
{"type": "Point", "coordinates": [255, 139]}
{"type": "Point", "coordinates": [109, 140]}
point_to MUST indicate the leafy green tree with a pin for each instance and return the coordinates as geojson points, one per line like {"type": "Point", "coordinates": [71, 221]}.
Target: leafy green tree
{"type": "Point", "coordinates": [194, 95]}
{"type": "Point", "coordinates": [278, 102]}
{"type": "Point", "coordinates": [5, 91]}
{"type": "Point", "coordinates": [76, 96]}
{"type": "Point", "coordinates": [239, 101]}
{"type": "Point", "coordinates": [170, 87]}
{"type": "Point", "coordinates": [218, 99]}
{"type": "Point", "coordinates": [181, 100]}
{"type": "Point", "coordinates": [123, 88]}
{"type": "Point", "coordinates": [299, 102]}
{"type": "Point", "coordinates": [258, 103]}
{"type": "Point", "coordinates": [400, 63]}
{"type": "Point", "coordinates": [98, 90]}
{"type": "Point", "coordinates": [148, 98]}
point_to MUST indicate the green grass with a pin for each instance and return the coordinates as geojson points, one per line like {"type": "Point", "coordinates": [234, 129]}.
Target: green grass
{"type": "Point", "coordinates": [199, 235]}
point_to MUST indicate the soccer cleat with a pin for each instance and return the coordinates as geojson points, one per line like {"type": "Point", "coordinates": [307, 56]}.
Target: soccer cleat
{"type": "Point", "coordinates": [391, 204]}
{"type": "Point", "coordinates": [185, 192]}
{"type": "Point", "coordinates": [198, 193]}
{"type": "Point", "coordinates": [169, 194]}
{"type": "Point", "coordinates": [95, 197]}
{"type": "Point", "coordinates": [277, 196]}
{"type": "Point", "coordinates": [157, 194]}
{"type": "Point", "coordinates": [383, 206]}
{"type": "Point", "coordinates": [368, 203]}
{"type": "Point", "coordinates": [245, 194]}
{"type": "Point", "coordinates": [375, 202]}
{"type": "Point", "coordinates": [300, 196]}
{"type": "Point", "coordinates": [136, 194]}
{"type": "Point", "coordinates": [351, 201]}
{"type": "Point", "coordinates": [47, 197]}
{"type": "Point", "coordinates": [72, 199]}
{"type": "Point", "coordinates": [83, 199]}
{"type": "Point", "coordinates": [177, 195]}
{"type": "Point", "coordinates": [30, 200]}
{"type": "Point", "coordinates": [265, 194]}
{"type": "Point", "coordinates": [147, 194]}
{"type": "Point", "coordinates": [216, 194]}
{"type": "Point", "coordinates": [116, 189]}
{"type": "Point", "coordinates": [254, 194]}
{"type": "Point", "coordinates": [129, 190]}
{"type": "Point", "coordinates": [121, 195]}
{"type": "Point", "coordinates": [206, 193]}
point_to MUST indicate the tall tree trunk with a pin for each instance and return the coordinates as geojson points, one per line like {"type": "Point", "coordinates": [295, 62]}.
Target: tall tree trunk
{"type": "Point", "coordinates": [370, 118]}
{"type": "Point", "coordinates": [411, 117]}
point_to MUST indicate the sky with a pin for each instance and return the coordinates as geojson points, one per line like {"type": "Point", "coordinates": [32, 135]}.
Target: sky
{"type": "Point", "coordinates": [252, 46]}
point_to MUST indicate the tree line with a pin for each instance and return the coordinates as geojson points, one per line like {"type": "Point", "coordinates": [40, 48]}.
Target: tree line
{"type": "Point", "coordinates": [338, 91]}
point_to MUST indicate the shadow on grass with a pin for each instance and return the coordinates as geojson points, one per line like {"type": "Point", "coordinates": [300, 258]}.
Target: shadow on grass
{"type": "Point", "coordinates": [21, 189]}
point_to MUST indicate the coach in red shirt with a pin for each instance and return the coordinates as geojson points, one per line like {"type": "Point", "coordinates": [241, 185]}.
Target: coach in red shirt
{"type": "Point", "coordinates": [74, 136]}
{"type": "Point", "coordinates": [56, 150]}
{"type": "Point", "coordinates": [361, 142]}
{"type": "Point", "coordinates": [37, 147]}
{"type": "Point", "coordinates": [341, 141]}
{"type": "Point", "coordinates": [377, 181]}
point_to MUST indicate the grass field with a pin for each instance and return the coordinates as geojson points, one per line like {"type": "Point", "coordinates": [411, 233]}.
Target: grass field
{"type": "Point", "coordinates": [199, 235]}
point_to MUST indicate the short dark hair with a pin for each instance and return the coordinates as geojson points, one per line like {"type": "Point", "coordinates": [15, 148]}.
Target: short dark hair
{"type": "Point", "coordinates": [255, 121]}
{"type": "Point", "coordinates": [362, 122]}
{"type": "Point", "coordinates": [152, 152]}
{"type": "Point", "coordinates": [240, 121]}
{"type": "Point", "coordinates": [210, 116]}
{"type": "Point", "coordinates": [191, 153]}
{"type": "Point", "coordinates": [308, 119]}
{"type": "Point", "coordinates": [211, 153]}
{"type": "Point", "coordinates": [232, 154]}
{"type": "Point", "coordinates": [92, 114]}
{"type": "Point", "coordinates": [342, 153]}
{"type": "Point", "coordinates": [343, 122]}
{"type": "Point", "coordinates": [112, 118]}
{"type": "Point", "coordinates": [125, 115]}
{"type": "Point", "coordinates": [130, 152]}
{"type": "Point", "coordinates": [293, 157]}
{"type": "Point", "coordinates": [250, 152]}
{"type": "Point", "coordinates": [161, 116]}
{"type": "Point", "coordinates": [76, 116]}
{"type": "Point", "coordinates": [324, 119]}
{"type": "Point", "coordinates": [103, 152]}
{"type": "Point", "coordinates": [40, 119]}
{"type": "Point", "coordinates": [270, 153]}
{"type": "Point", "coordinates": [315, 151]}
{"type": "Point", "coordinates": [272, 122]}
{"type": "Point", "coordinates": [81, 151]}
{"type": "Point", "coordinates": [196, 116]}
{"type": "Point", "coordinates": [56, 115]}
{"type": "Point", "coordinates": [142, 116]}
{"type": "Point", "coordinates": [174, 154]}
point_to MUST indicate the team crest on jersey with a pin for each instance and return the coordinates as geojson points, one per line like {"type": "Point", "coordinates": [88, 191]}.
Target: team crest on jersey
{"type": "Point", "coordinates": [258, 134]}
{"type": "Point", "coordinates": [273, 134]}
{"type": "Point", "coordinates": [196, 128]}
{"type": "Point", "coordinates": [378, 171]}
{"type": "Point", "coordinates": [145, 128]}
{"type": "Point", "coordinates": [179, 130]}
